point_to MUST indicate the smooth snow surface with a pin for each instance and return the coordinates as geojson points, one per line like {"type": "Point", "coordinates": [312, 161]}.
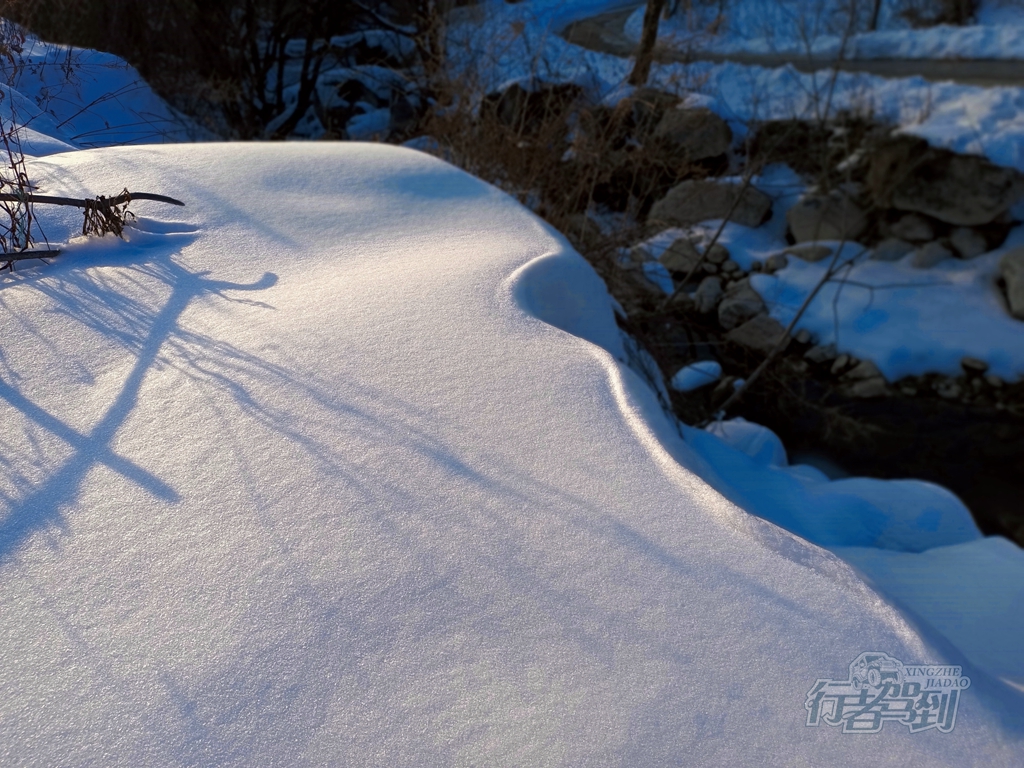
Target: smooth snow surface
{"type": "Point", "coordinates": [306, 474]}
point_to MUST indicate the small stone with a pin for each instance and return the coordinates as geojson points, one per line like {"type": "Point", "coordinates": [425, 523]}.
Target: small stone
{"type": "Point", "coordinates": [757, 266]}
{"type": "Point", "coordinates": [709, 268]}
{"type": "Point", "coordinates": [866, 388]}
{"type": "Point", "coordinates": [973, 365]}
{"type": "Point", "coordinates": [776, 262]}
{"type": "Point", "coordinates": [948, 389]}
{"type": "Point", "coordinates": [977, 385]}
{"type": "Point", "coordinates": [907, 389]}
{"type": "Point", "coordinates": [840, 364]}
{"type": "Point", "coordinates": [969, 243]}
{"type": "Point", "coordinates": [929, 255]}
{"type": "Point", "coordinates": [864, 370]}
{"type": "Point", "coordinates": [730, 266]}
{"type": "Point", "coordinates": [891, 249]}
{"type": "Point", "coordinates": [761, 333]}
{"type": "Point", "coordinates": [912, 227]}
{"type": "Point", "coordinates": [740, 303]}
{"type": "Point", "coordinates": [994, 381]}
{"type": "Point", "coordinates": [812, 252]}
{"type": "Point", "coordinates": [822, 353]}
{"type": "Point", "coordinates": [803, 336]}
{"type": "Point", "coordinates": [707, 294]}
{"type": "Point", "coordinates": [718, 254]}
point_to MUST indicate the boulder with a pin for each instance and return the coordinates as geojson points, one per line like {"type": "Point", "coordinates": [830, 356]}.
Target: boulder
{"type": "Point", "coordinates": [912, 227]}
{"type": "Point", "coordinates": [826, 217]}
{"type": "Point", "coordinates": [891, 249]}
{"type": "Point", "coordinates": [698, 134]}
{"type": "Point", "coordinates": [810, 252]}
{"type": "Point", "coordinates": [969, 243]}
{"type": "Point", "coordinates": [760, 333]}
{"type": "Point", "coordinates": [929, 255]}
{"type": "Point", "coordinates": [681, 256]}
{"type": "Point", "coordinates": [1011, 267]}
{"type": "Point", "coordinates": [739, 304]}
{"type": "Point", "coordinates": [647, 106]}
{"type": "Point", "coordinates": [694, 201]}
{"type": "Point", "coordinates": [707, 294]}
{"type": "Point", "coordinates": [963, 190]}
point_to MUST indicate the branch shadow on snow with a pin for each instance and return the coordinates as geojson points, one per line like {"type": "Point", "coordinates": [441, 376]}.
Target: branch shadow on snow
{"type": "Point", "coordinates": [89, 297]}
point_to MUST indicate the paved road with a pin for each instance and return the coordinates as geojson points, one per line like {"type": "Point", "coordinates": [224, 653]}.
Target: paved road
{"type": "Point", "coordinates": [604, 33]}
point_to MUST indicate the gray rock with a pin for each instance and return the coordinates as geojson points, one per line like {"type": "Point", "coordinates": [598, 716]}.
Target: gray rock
{"type": "Point", "coordinates": [694, 201]}
{"type": "Point", "coordinates": [973, 365]}
{"type": "Point", "coordinates": [775, 262]}
{"type": "Point", "coordinates": [810, 252]}
{"type": "Point", "coordinates": [831, 217]}
{"type": "Point", "coordinates": [865, 369]}
{"type": "Point", "coordinates": [965, 190]}
{"type": "Point", "coordinates": [739, 304]}
{"type": "Point", "coordinates": [699, 134]}
{"type": "Point", "coordinates": [681, 256]}
{"type": "Point", "coordinates": [912, 227]}
{"type": "Point", "coordinates": [730, 266]}
{"type": "Point", "coordinates": [867, 388]}
{"type": "Point", "coordinates": [891, 249]}
{"type": "Point", "coordinates": [840, 364]}
{"type": "Point", "coordinates": [821, 353]}
{"type": "Point", "coordinates": [760, 333]}
{"type": "Point", "coordinates": [1011, 267]}
{"type": "Point", "coordinates": [803, 336]}
{"type": "Point", "coordinates": [929, 255]}
{"type": "Point", "coordinates": [969, 244]}
{"type": "Point", "coordinates": [707, 294]}
{"type": "Point", "coordinates": [718, 254]}
{"type": "Point", "coordinates": [711, 269]}
{"type": "Point", "coordinates": [994, 381]}
{"type": "Point", "coordinates": [757, 266]}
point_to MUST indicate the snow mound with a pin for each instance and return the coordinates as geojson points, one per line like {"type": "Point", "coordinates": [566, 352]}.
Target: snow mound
{"type": "Point", "coordinates": [295, 479]}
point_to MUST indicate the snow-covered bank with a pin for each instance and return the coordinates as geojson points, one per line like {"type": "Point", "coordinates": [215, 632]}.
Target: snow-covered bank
{"type": "Point", "coordinates": [296, 478]}
{"type": "Point", "coordinates": [70, 98]}
{"type": "Point", "coordinates": [822, 28]}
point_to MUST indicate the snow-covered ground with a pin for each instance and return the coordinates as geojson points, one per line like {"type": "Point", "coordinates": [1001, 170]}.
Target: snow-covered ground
{"type": "Point", "coordinates": [343, 463]}
{"type": "Point", "coordinates": [340, 465]}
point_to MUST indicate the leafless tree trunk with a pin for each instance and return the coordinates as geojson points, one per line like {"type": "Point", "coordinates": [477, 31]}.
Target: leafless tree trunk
{"type": "Point", "coordinates": [874, 15]}
{"type": "Point", "coordinates": [649, 36]}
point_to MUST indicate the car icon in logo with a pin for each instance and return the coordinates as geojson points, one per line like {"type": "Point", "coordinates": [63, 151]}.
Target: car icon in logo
{"type": "Point", "coordinates": [875, 670]}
